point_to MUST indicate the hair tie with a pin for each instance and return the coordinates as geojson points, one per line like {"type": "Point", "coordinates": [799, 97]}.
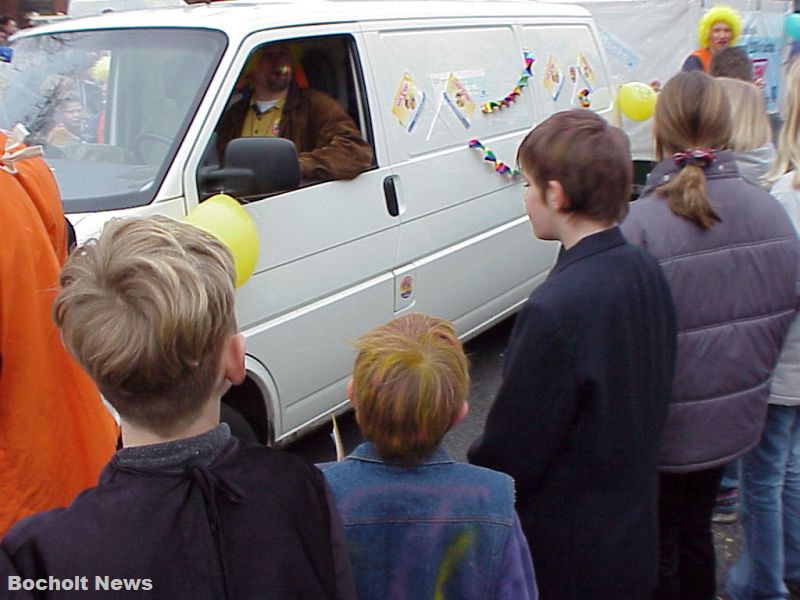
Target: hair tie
{"type": "Point", "coordinates": [699, 157]}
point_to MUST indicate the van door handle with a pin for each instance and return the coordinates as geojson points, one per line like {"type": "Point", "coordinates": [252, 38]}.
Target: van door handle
{"type": "Point", "coordinates": [390, 193]}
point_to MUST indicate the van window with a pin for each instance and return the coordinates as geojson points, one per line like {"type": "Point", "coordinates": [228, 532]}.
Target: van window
{"type": "Point", "coordinates": [486, 61]}
{"type": "Point", "coordinates": [569, 46]}
{"type": "Point", "coordinates": [109, 107]}
{"type": "Point", "coordinates": [335, 140]}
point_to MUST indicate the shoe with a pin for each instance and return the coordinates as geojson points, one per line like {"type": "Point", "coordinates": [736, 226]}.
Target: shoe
{"type": "Point", "coordinates": [794, 588]}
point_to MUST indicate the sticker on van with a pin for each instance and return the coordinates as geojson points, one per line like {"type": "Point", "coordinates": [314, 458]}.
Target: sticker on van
{"type": "Point", "coordinates": [408, 102]}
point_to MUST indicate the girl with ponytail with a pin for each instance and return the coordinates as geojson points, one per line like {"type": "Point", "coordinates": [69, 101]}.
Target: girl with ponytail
{"type": "Point", "coordinates": [690, 133]}
{"type": "Point", "coordinates": [729, 253]}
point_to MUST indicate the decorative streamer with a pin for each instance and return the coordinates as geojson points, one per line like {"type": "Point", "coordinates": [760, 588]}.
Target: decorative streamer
{"type": "Point", "coordinates": [489, 155]}
{"type": "Point", "coordinates": [582, 95]}
{"type": "Point", "coordinates": [583, 98]}
{"type": "Point", "coordinates": [527, 72]}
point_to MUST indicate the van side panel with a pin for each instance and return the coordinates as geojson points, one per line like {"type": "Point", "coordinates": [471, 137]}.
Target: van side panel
{"type": "Point", "coordinates": [322, 278]}
{"type": "Point", "coordinates": [464, 226]}
{"type": "Point", "coordinates": [570, 45]}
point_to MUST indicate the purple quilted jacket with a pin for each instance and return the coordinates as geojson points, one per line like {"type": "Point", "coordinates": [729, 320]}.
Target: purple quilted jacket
{"type": "Point", "coordinates": [735, 292]}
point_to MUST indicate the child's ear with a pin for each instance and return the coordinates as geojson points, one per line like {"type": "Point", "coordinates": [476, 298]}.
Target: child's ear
{"type": "Point", "coordinates": [233, 359]}
{"type": "Point", "coordinates": [351, 397]}
{"type": "Point", "coordinates": [462, 412]}
{"type": "Point", "coordinates": [555, 196]}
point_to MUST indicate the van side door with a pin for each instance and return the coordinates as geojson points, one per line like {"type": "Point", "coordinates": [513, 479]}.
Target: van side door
{"type": "Point", "coordinates": [324, 274]}
{"type": "Point", "coordinates": [465, 242]}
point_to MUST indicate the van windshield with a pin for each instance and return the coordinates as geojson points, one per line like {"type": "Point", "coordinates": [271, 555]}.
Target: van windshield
{"type": "Point", "coordinates": [109, 107]}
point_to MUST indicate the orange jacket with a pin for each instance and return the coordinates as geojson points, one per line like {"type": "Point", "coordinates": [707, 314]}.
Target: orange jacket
{"type": "Point", "coordinates": [55, 433]}
{"type": "Point", "coordinates": [704, 54]}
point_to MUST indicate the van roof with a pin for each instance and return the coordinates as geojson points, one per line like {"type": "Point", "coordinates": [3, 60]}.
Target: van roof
{"type": "Point", "coordinates": [236, 18]}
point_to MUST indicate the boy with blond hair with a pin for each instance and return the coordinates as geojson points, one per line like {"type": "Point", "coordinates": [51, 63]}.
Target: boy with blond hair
{"type": "Point", "coordinates": [183, 510]}
{"type": "Point", "coordinates": [418, 524]}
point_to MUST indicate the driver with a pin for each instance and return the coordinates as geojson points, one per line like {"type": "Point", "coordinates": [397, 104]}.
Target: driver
{"type": "Point", "coordinates": [328, 143]}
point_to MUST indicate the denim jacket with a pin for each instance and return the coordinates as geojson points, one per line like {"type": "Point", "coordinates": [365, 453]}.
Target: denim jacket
{"type": "Point", "coordinates": [436, 530]}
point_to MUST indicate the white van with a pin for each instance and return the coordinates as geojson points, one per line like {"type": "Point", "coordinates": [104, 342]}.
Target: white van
{"type": "Point", "coordinates": [89, 8]}
{"type": "Point", "coordinates": [430, 227]}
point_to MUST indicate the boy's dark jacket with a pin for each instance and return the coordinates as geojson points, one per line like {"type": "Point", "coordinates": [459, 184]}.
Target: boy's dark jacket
{"type": "Point", "coordinates": [254, 523]}
{"type": "Point", "coordinates": [579, 416]}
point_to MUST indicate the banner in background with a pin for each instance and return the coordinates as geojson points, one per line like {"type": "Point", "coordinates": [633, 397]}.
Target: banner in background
{"type": "Point", "coordinates": [762, 37]}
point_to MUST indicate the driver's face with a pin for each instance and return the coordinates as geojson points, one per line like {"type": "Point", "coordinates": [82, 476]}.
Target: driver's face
{"type": "Point", "coordinates": [274, 70]}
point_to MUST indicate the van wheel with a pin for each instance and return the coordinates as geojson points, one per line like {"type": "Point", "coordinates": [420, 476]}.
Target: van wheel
{"type": "Point", "coordinates": [238, 425]}
{"type": "Point", "coordinates": [247, 410]}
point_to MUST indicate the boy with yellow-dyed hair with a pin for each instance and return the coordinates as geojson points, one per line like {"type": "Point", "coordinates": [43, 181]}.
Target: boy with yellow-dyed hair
{"type": "Point", "coordinates": [418, 524]}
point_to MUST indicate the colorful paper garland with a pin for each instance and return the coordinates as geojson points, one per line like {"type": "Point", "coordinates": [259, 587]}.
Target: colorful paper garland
{"type": "Point", "coordinates": [488, 155]}
{"type": "Point", "coordinates": [527, 72]}
{"type": "Point", "coordinates": [584, 99]}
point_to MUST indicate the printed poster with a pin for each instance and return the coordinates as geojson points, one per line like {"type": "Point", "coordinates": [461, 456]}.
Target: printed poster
{"type": "Point", "coordinates": [586, 71]}
{"type": "Point", "coordinates": [763, 38]}
{"type": "Point", "coordinates": [408, 102]}
{"type": "Point", "coordinates": [459, 99]}
{"type": "Point", "coordinates": [553, 79]}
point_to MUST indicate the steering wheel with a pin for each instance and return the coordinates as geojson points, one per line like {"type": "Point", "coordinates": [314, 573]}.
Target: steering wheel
{"type": "Point", "coordinates": [142, 138]}
{"type": "Point", "coordinates": [51, 151]}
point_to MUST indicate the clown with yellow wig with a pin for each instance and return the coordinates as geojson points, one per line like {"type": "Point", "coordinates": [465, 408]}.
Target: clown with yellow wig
{"type": "Point", "coordinates": [719, 28]}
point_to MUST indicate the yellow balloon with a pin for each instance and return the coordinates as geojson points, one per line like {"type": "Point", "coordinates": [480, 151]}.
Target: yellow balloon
{"type": "Point", "coordinates": [637, 101]}
{"type": "Point", "coordinates": [222, 216]}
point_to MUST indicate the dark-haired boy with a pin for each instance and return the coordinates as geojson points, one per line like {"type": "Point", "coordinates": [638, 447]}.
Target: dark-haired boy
{"type": "Point", "coordinates": [732, 62]}
{"type": "Point", "coordinates": [183, 511]}
{"type": "Point", "coordinates": [588, 372]}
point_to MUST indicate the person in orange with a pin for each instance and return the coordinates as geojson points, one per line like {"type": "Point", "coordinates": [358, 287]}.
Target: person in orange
{"type": "Point", "coordinates": [55, 432]}
{"type": "Point", "coordinates": [719, 28]}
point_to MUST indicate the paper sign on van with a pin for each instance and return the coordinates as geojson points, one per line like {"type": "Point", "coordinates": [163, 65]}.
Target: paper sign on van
{"type": "Point", "coordinates": [585, 71]}
{"type": "Point", "coordinates": [408, 102]}
{"type": "Point", "coordinates": [553, 79]}
{"type": "Point", "coordinates": [459, 100]}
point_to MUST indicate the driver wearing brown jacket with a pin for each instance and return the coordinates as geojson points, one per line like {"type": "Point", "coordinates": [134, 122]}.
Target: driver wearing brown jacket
{"type": "Point", "coordinates": [328, 143]}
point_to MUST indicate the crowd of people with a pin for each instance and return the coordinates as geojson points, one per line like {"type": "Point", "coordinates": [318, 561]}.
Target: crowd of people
{"type": "Point", "coordinates": [655, 372]}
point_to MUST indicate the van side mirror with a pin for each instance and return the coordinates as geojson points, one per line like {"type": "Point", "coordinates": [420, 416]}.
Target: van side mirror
{"type": "Point", "coordinates": [254, 167]}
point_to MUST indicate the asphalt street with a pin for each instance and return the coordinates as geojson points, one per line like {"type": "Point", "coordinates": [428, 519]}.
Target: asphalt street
{"type": "Point", "coordinates": [486, 361]}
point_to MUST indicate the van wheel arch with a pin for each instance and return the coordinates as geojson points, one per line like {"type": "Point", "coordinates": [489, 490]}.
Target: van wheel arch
{"type": "Point", "coordinates": [247, 406]}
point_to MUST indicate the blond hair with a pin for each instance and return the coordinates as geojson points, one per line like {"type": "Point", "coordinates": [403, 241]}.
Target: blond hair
{"type": "Point", "coordinates": [692, 112]}
{"type": "Point", "coordinates": [727, 15]}
{"type": "Point", "coordinates": [788, 158]}
{"type": "Point", "coordinates": [751, 128]}
{"type": "Point", "coordinates": [410, 382]}
{"type": "Point", "coordinates": [145, 309]}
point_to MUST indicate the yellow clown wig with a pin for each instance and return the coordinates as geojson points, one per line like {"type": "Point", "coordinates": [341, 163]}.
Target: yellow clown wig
{"type": "Point", "coordinates": [727, 15]}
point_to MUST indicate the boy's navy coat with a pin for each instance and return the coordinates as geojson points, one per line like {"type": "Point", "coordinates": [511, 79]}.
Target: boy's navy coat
{"type": "Point", "coordinates": [254, 524]}
{"type": "Point", "coordinates": [579, 416]}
